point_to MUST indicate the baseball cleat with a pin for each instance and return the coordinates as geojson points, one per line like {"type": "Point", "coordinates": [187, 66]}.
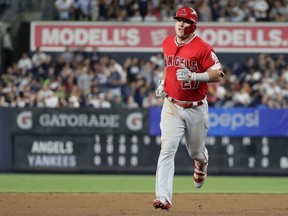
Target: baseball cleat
{"type": "Point", "coordinates": [161, 203]}
{"type": "Point", "coordinates": [200, 173]}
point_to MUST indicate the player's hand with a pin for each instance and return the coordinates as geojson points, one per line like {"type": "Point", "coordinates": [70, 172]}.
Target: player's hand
{"type": "Point", "coordinates": [184, 74]}
{"type": "Point", "coordinates": [160, 92]}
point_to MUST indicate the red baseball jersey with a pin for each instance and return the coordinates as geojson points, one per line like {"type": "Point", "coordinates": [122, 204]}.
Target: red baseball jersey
{"type": "Point", "coordinates": [197, 56]}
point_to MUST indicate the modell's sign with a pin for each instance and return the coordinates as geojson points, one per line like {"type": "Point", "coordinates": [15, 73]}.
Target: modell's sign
{"type": "Point", "coordinates": [148, 37]}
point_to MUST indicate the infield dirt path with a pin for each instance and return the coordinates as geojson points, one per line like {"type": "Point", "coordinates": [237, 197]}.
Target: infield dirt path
{"type": "Point", "coordinates": [140, 205]}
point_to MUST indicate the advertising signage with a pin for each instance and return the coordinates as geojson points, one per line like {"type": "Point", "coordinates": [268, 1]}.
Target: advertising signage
{"type": "Point", "coordinates": [148, 37]}
{"type": "Point", "coordinates": [238, 122]}
{"type": "Point", "coordinates": [80, 121]}
{"type": "Point", "coordinates": [222, 122]}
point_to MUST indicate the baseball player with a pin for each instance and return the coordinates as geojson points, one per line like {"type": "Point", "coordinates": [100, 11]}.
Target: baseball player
{"type": "Point", "coordinates": [190, 64]}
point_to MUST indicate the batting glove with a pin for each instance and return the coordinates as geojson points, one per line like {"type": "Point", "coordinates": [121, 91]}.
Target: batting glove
{"type": "Point", "coordinates": [160, 92]}
{"type": "Point", "coordinates": [184, 74]}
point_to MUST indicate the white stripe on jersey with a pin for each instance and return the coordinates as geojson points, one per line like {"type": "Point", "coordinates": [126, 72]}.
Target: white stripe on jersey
{"type": "Point", "coordinates": [216, 66]}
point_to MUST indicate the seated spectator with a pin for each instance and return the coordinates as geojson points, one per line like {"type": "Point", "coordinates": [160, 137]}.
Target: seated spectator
{"type": "Point", "coordinates": [80, 55]}
{"type": "Point", "coordinates": [38, 58]}
{"type": "Point", "coordinates": [45, 97]}
{"type": "Point", "coordinates": [146, 73]}
{"type": "Point", "coordinates": [150, 100]}
{"type": "Point", "coordinates": [241, 12]}
{"type": "Point", "coordinates": [73, 102]}
{"type": "Point", "coordinates": [103, 7]}
{"type": "Point", "coordinates": [94, 55]}
{"type": "Point", "coordinates": [204, 11]}
{"type": "Point", "coordinates": [279, 13]}
{"type": "Point", "coordinates": [242, 97]}
{"type": "Point", "coordinates": [260, 9]}
{"type": "Point", "coordinates": [64, 9]}
{"type": "Point", "coordinates": [150, 16]}
{"type": "Point", "coordinates": [117, 102]}
{"type": "Point", "coordinates": [94, 11]}
{"type": "Point", "coordinates": [68, 55]}
{"type": "Point", "coordinates": [133, 70]}
{"type": "Point", "coordinates": [131, 102]}
{"type": "Point", "coordinates": [3, 102]}
{"type": "Point", "coordinates": [136, 17]}
{"type": "Point", "coordinates": [100, 76]}
{"type": "Point", "coordinates": [83, 10]}
{"type": "Point", "coordinates": [114, 79]}
{"type": "Point", "coordinates": [84, 80]}
{"type": "Point", "coordinates": [25, 63]}
{"type": "Point", "coordinates": [99, 101]}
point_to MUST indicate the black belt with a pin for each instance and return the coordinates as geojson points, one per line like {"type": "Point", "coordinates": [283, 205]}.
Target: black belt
{"type": "Point", "coordinates": [185, 104]}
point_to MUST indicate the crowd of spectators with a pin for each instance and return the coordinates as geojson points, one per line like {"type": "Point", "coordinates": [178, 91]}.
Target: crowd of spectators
{"type": "Point", "coordinates": [163, 10]}
{"type": "Point", "coordinates": [76, 78]}
{"type": "Point", "coordinates": [261, 82]}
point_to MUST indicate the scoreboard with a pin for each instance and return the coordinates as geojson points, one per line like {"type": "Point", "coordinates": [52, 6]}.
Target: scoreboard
{"type": "Point", "coordinates": [241, 141]}
{"type": "Point", "coordinates": [128, 153]}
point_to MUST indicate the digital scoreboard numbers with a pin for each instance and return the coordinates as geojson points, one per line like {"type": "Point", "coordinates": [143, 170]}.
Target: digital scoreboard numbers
{"type": "Point", "coordinates": [243, 155]}
{"type": "Point", "coordinates": [127, 152]}
{"type": "Point", "coordinates": [116, 153]}
{"type": "Point", "coordinates": [249, 154]}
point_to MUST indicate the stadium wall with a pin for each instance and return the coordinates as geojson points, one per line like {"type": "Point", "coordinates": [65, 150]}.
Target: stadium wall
{"type": "Point", "coordinates": [5, 139]}
{"type": "Point", "coordinates": [241, 141]}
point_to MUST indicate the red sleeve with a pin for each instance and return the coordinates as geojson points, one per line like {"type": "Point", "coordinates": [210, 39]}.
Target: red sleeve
{"type": "Point", "coordinates": [208, 58]}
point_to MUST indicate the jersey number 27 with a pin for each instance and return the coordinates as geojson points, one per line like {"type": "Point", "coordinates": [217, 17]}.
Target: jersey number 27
{"type": "Point", "coordinates": [189, 85]}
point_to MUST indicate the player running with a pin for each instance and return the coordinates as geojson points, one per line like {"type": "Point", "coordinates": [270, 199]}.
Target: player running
{"type": "Point", "coordinates": [190, 64]}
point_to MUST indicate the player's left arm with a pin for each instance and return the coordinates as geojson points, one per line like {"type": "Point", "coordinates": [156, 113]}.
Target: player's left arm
{"type": "Point", "coordinates": [213, 73]}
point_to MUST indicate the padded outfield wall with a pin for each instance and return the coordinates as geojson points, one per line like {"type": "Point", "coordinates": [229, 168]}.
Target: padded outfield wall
{"type": "Point", "coordinates": [241, 141]}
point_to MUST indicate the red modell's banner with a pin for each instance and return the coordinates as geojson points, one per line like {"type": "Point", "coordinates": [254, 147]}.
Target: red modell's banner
{"type": "Point", "coordinates": [148, 37]}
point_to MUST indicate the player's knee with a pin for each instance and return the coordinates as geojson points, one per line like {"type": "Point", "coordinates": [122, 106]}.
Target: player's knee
{"type": "Point", "coordinates": [195, 155]}
{"type": "Point", "coordinates": [200, 156]}
{"type": "Point", "coordinates": [169, 146]}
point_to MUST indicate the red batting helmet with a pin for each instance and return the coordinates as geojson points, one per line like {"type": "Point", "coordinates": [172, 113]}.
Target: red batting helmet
{"type": "Point", "coordinates": [190, 14]}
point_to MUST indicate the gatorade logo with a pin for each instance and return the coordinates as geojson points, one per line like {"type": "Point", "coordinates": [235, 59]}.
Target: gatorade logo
{"type": "Point", "coordinates": [24, 120]}
{"type": "Point", "coordinates": [134, 121]}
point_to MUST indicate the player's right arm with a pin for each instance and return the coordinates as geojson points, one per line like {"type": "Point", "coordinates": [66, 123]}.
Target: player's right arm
{"type": "Point", "coordinates": [160, 91]}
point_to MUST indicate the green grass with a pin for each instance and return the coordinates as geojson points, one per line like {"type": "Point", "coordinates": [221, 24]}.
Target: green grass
{"type": "Point", "coordinates": [60, 183]}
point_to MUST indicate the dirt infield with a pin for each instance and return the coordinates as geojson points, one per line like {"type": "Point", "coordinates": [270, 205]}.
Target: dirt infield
{"type": "Point", "coordinates": [140, 205]}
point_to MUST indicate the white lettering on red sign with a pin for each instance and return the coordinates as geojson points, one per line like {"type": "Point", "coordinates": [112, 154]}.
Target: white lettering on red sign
{"type": "Point", "coordinates": [93, 37]}
{"type": "Point", "coordinates": [242, 37]}
{"type": "Point", "coordinates": [148, 37]}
